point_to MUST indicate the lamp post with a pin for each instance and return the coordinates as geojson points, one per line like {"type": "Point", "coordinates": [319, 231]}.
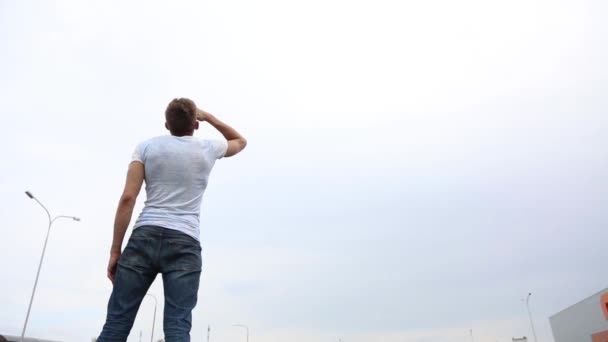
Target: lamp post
{"type": "Point", "coordinates": [51, 220]}
{"type": "Point", "coordinates": [153, 317]}
{"type": "Point", "coordinates": [530, 316]}
{"type": "Point", "coordinates": [243, 326]}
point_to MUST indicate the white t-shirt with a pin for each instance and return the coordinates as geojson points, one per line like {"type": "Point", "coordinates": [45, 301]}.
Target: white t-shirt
{"type": "Point", "coordinates": [176, 174]}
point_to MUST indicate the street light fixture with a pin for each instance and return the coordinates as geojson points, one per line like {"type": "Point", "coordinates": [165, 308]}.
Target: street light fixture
{"type": "Point", "coordinates": [153, 317]}
{"type": "Point", "coordinates": [530, 316]}
{"type": "Point", "coordinates": [243, 326]}
{"type": "Point", "coordinates": [51, 220]}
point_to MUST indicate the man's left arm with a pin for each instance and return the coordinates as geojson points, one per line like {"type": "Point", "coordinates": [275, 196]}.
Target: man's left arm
{"type": "Point", "coordinates": [135, 178]}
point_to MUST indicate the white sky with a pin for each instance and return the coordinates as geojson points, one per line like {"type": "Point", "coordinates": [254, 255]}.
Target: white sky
{"type": "Point", "coordinates": [414, 169]}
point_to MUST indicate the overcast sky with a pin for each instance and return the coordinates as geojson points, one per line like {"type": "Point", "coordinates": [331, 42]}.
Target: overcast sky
{"type": "Point", "coordinates": [414, 168]}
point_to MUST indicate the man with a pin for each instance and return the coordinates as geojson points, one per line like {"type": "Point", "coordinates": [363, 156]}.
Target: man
{"type": "Point", "coordinates": [165, 237]}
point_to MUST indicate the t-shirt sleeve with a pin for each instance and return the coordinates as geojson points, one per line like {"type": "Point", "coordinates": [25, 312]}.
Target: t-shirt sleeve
{"type": "Point", "coordinates": [220, 147]}
{"type": "Point", "coordinates": [138, 154]}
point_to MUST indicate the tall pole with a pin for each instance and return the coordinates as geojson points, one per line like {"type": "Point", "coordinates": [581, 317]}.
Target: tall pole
{"type": "Point", "coordinates": [153, 317]}
{"type": "Point", "coordinates": [246, 328]}
{"type": "Point", "coordinates": [530, 316]}
{"type": "Point", "coordinates": [46, 240]}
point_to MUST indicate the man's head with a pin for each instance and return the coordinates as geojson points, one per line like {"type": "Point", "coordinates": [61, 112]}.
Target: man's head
{"type": "Point", "coordinates": [180, 117]}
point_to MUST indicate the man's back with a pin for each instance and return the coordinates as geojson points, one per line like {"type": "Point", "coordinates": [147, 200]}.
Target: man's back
{"type": "Point", "coordinates": [176, 175]}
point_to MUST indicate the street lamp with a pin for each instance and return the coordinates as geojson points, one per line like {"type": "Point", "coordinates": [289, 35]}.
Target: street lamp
{"type": "Point", "coordinates": [153, 317]}
{"type": "Point", "coordinates": [51, 220]}
{"type": "Point", "coordinates": [243, 326]}
{"type": "Point", "coordinates": [530, 315]}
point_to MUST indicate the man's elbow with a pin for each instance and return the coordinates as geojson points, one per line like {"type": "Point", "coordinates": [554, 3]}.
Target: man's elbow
{"type": "Point", "coordinates": [127, 200]}
{"type": "Point", "coordinates": [243, 143]}
{"type": "Point", "coordinates": [235, 146]}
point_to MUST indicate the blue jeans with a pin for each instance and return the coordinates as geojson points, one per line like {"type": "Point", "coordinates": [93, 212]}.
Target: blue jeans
{"type": "Point", "coordinates": [152, 250]}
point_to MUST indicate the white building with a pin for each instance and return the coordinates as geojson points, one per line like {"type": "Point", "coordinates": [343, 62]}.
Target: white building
{"type": "Point", "coordinates": [586, 321]}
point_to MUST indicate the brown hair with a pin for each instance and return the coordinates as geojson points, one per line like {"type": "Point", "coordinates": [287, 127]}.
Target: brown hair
{"type": "Point", "coordinates": [181, 116]}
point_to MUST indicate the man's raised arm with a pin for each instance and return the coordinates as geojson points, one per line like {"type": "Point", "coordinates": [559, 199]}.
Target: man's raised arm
{"type": "Point", "coordinates": [236, 142]}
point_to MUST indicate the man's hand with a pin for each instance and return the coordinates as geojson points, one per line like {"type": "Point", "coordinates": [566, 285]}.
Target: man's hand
{"type": "Point", "coordinates": [112, 265]}
{"type": "Point", "coordinates": [201, 115]}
